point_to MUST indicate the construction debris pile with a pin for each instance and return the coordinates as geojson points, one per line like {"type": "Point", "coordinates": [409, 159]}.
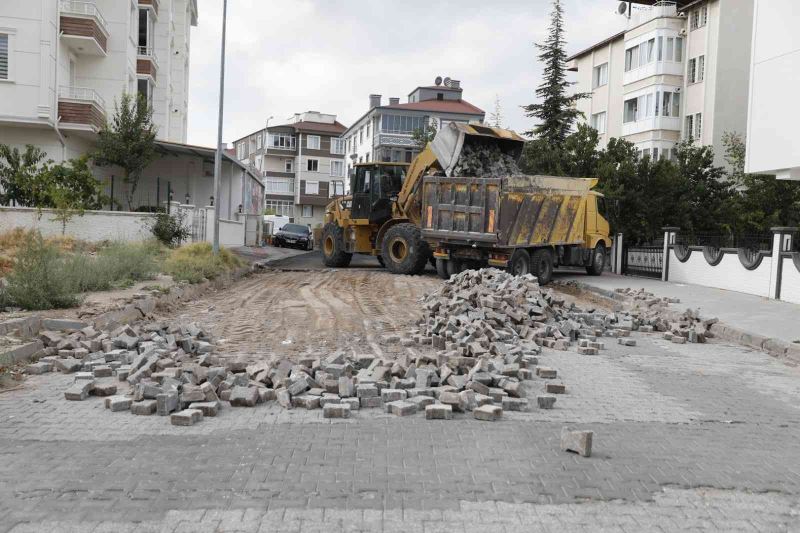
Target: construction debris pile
{"type": "Point", "coordinates": [487, 160]}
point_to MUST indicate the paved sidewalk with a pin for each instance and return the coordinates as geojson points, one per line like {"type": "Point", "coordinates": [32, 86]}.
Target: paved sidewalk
{"type": "Point", "coordinates": [753, 314]}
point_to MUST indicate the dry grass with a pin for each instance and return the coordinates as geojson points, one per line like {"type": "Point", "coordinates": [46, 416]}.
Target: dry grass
{"type": "Point", "coordinates": [11, 242]}
{"type": "Point", "coordinates": [196, 262]}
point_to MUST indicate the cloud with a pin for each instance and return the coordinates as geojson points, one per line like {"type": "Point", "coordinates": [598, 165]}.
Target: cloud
{"type": "Point", "coordinates": [329, 55]}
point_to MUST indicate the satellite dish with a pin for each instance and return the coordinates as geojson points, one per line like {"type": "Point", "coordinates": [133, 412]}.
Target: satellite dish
{"type": "Point", "coordinates": [438, 80]}
{"type": "Point", "coordinates": [622, 8]}
{"type": "Point", "coordinates": [447, 82]}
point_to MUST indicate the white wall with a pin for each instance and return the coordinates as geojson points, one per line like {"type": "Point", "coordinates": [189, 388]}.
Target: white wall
{"type": "Point", "coordinates": [729, 274]}
{"type": "Point", "coordinates": [231, 232]}
{"type": "Point", "coordinates": [773, 145]}
{"type": "Point", "coordinates": [93, 226]}
{"type": "Point", "coordinates": [790, 282]}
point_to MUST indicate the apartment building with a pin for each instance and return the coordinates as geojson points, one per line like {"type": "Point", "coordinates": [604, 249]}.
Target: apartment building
{"type": "Point", "coordinates": [64, 64]}
{"type": "Point", "coordinates": [384, 132]}
{"type": "Point", "coordinates": [677, 70]}
{"type": "Point", "coordinates": [302, 164]}
{"type": "Point", "coordinates": [773, 145]}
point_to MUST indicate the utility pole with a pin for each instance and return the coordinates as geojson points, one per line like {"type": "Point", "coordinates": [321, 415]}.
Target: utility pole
{"type": "Point", "coordinates": [218, 157]}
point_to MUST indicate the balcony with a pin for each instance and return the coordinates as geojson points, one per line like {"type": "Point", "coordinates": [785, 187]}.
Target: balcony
{"type": "Point", "coordinates": [83, 27]}
{"type": "Point", "coordinates": [81, 108]}
{"type": "Point", "coordinates": [146, 61]}
{"type": "Point", "coordinates": [653, 68]}
{"type": "Point", "coordinates": [644, 14]}
{"type": "Point", "coordinates": [650, 124]}
{"type": "Point", "coordinates": [394, 139]}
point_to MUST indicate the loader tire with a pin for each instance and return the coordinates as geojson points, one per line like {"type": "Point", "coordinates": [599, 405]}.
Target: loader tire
{"type": "Point", "coordinates": [542, 265]}
{"type": "Point", "coordinates": [403, 250]}
{"type": "Point", "coordinates": [380, 261]}
{"type": "Point", "coordinates": [333, 251]}
{"type": "Point", "coordinates": [441, 268]}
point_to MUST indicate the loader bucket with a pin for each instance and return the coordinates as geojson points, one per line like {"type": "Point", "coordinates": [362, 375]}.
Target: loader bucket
{"type": "Point", "coordinates": [450, 141]}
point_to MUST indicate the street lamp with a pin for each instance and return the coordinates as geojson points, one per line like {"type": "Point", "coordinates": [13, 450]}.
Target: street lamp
{"type": "Point", "coordinates": [218, 156]}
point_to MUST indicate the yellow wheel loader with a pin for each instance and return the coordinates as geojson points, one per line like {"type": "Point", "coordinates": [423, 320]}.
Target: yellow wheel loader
{"type": "Point", "coordinates": [383, 213]}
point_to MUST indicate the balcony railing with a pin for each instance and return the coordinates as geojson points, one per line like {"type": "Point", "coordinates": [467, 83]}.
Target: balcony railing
{"type": "Point", "coordinates": [83, 94]}
{"type": "Point", "coordinates": [147, 52]}
{"type": "Point", "coordinates": [659, 9]}
{"type": "Point", "coordinates": [85, 8]}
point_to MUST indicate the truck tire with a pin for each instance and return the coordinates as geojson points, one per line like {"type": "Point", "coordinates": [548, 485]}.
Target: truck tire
{"type": "Point", "coordinates": [380, 261]}
{"type": "Point", "coordinates": [598, 264]}
{"type": "Point", "coordinates": [441, 268]}
{"type": "Point", "coordinates": [333, 251]}
{"type": "Point", "coordinates": [542, 265]}
{"type": "Point", "coordinates": [453, 267]}
{"type": "Point", "coordinates": [403, 250]}
{"type": "Point", "coordinates": [520, 262]}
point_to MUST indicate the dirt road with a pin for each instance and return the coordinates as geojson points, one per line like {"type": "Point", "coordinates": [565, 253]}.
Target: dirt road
{"type": "Point", "coordinates": [289, 313]}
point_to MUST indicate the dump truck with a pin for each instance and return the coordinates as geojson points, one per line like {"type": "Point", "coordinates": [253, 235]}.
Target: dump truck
{"type": "Point", "coordinates": [432, 211]}
{"type": "Point", "coordinates": [382, 214]}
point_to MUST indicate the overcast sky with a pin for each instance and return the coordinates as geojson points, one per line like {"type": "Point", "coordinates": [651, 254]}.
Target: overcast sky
{"type": "Point", "coordinates": [287, 56]}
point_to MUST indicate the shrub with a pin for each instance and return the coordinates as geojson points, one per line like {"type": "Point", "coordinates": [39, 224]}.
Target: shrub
{"type": "Point", "coordinates": [196, 262]}
{"type": "Point", "coordinates": [118, 265]}
{"type": "Point", "coordinates": [38, 279]}
{"type": "Point", "coordinates": [169, 229]}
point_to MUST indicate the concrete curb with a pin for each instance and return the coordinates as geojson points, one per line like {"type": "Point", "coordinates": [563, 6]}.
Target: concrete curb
{"type": "Point", "coordinates": [774, 347]}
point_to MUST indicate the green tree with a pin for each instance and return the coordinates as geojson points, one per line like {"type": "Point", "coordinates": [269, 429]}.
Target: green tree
{"type": "Point", "coordinates": [21, 175]}
{"type": "Point", "coordinates": [74, 179]}
{"type": "Point", "coordinates": [540, 157]}
{"type": "Point", "coordinates": [580, 152]}
{"type": "Point", "coordinates": [556, 111]}
{"type": "Point", "coordinates": [128, 141]}
{"type": "Point", "coordinates": [422, 136]}
{"type": "Point", "coordinates": [761, 201]}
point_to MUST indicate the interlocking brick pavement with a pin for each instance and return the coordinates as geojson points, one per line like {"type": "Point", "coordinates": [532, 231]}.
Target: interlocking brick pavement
{"type": "Point", "coordinates": [689, 436]}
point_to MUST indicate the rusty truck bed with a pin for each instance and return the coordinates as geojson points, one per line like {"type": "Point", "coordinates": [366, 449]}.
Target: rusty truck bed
{"type": "Point", "coordinates": [518, 211]}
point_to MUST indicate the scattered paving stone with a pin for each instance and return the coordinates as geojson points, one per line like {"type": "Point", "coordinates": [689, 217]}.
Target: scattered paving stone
{"type": "Point", "coordinates": [438, 411]}
{"type": "Point", "coordinates": [515, 404]}
{"type": "Point", "coordinates": [374, 401]}
{"type": "Point", "coordinates": [167, 403]}
{"type": "Point", "coordinates": [144, 408]}
{"type": "Point", "coordinates": [41, 367]}
{"type": "Point", "coordinates": [545, 401]}
{"type": "Point", "coordinates": [401, 408]}
{"type": "Point", "coordinates": [392, 395]}
{"type": "Point", "coordinates": [119, 403]}
{"type": "Point", "coordinates": [207, 408]}
{"type": "Point", "coordinates": [104, 389]}
{"type": "Point", "coordinates": [79, 390]}
{"type": "Point", "coordinates": [187, 417]}
{"type": "Point", "coordinates": [627, 341]}
{"type": "Point", "coordinates": [102, 371]}
{"type": "Point", "coordinates": [336, 410]}
{"type": "Point", "coordinates": [244, 396]}
{"type": "Point", "coordinates": [488, 412]}
{"type": "Point", "coordinates": [577, 441]}
{"type": "Point", "coordinates": [546, 373]}
{"type": "Point", "coordinates": [555, 388]}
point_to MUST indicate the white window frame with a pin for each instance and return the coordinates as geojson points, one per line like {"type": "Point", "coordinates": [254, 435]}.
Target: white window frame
{"type": "Point", "coordinates": [281, 207]}
{"type": "Point", "coordinates": [310, 211]}
{"type": "Point", "coordinates": [600, 75]}
{"type": "Point", "coordinates": [313, 142]}
{"type": "Point", "coordinates": [288, 165]}
{"type": "Point", "coordinates": [312, 187]}
{"type": "Point", "coordinates": [337, 169]}
{"type": "Point", "coordinates": [701, 68]}
{"type": "Point", "coordinates": [691, 70]}
{"type": "Point", "coordinates": [309, 165]}
{"type": "Point", "coordinates": [289, 141]}
{"type": "Point", "coordinates": [698, 126]}
{"type": "Point", "coordinates": [10, 35]}
{"type": "Point", "coordinates": [279, 185]}
{"type": "Point", "coordinates": [259, 142]}
{"type": "Point", "coordinates": [599, 122]}
{"type": "Point", "coordinates": [338, 146]}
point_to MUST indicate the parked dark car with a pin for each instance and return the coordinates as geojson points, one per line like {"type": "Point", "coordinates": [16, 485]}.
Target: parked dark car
{"type": "Point", "coordinates": [294, 236]}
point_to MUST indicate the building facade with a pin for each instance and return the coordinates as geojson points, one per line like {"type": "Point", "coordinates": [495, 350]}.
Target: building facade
{"type": "Point", "coordinates": [773, 145]}
{"type": "Point", "coordinates": [302, 164]}
{"type": "Point", "coordinates": [678, 70]}
{"type": "Point", "coordinates": [384, 132]}
{"type": "Point", "coordinates": [65, 63]}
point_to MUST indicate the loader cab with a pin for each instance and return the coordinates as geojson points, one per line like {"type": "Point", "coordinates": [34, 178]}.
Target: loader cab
{"type": "Point", "coordinates": [373, 186]}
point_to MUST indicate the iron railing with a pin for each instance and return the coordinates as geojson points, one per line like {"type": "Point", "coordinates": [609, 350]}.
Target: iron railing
{"type": "Point", "coordinates": [147, 52]}
{"type": "Point", "coordinates": [84, 94]}
{"type": "Point", "coordinates": [83, 7]}
{"type": "Point", "coordinates": [645, 260]}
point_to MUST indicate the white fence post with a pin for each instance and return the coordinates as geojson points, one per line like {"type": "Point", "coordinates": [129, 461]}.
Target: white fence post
{"type": "Point", "coordinates": [670, 233]}
{"type": "Point", "coordinates": [619, 249]}
{"type": "Point", "coordinates": [781, 243]}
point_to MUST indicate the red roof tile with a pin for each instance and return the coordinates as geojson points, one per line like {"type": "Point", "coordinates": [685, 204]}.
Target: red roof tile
{"type": "Point", "coordinates": [443, 106]}
{"type": "Point", "coordinates": [319, 127]}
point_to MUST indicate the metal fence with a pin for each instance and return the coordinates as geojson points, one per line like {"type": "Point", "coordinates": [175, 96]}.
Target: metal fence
{"type": "Point", "coordinates": [643, 260]}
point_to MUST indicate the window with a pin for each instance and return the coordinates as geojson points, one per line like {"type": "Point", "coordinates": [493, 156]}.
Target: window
{"type": "Point", "coordinates": [312, 142]}
{"type": "Point", "coordinates": [259, 142]}
{"type": "Point", "coordinates": [288, 165]}
{"type": "Point", "coordinates": [660, 48]}
{"type": "Point", "coordinates": [308, 211]}
{"type": "Point", "coordinates": [312, 165]}
{"type": "Point", "coordinates": [599, 122]}
{"type": "Point", "coordinates": [337, 168]}
{"type": "Point", "coordinates": [361, 135]}
{"type": "Point", "coordinates": [698, 126]}
{"type": "Point", "coordinates": [701, 68]}
{"type": "Point", "coordinates": [600, 75]}
{"type": "Point", "coordinates": [671, 104]}
{"type": "Point", "coordinates": [337, 188]}
{"type": "Point", "coordinates": [655, 154]}
{"type": "Point", "coordinates": [631, 58]}
{"type": "Point", "coordinates": [679, 49]}
{"type": "Point", "coordinates": [670, 48]}
{"type": "Point", "coordinates": [440, 96]}
{"type": "Point", "coordinates": [646, 153]}
{"type": "Point", "coordinates": [367, 130]}
{"type": "Point", "coordinates": [631, 110]}
{"type": "Point", "coordinates": [312, 187]}
{"type": "Point", "coordinates": [401, 124]}
{"type": "Point", "coordinates": [699, 17]}
{"type": "Point", "coordinates": [143, 88]}
{"type": "Point", "coordinates": [283, 208]}
{"type": "Point", "coordinates": [280, 185]}
{"type": "Point", "coordinates": [282, 141]}
{"type": "Point", "coordinates": [337, 146]}
{"type": "Point", "coordinates": [651, 45]}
